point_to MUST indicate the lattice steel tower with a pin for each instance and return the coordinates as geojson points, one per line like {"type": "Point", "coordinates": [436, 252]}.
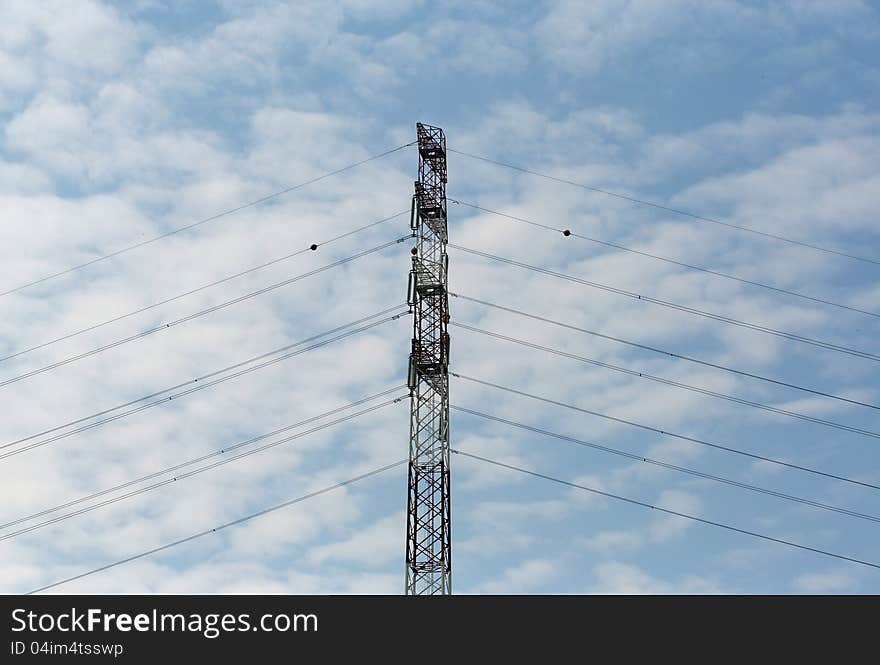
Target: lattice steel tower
{"type": "Point", "coordinates": [428, 536]}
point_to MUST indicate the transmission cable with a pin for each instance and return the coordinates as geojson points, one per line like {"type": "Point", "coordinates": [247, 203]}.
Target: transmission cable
{"type": "Point", "coordinates": [196, 388]}
{"type": "Point", "coordinates": [670, 382]}
{"type": "Point", "coordinates": [671, 305]}
{"type": "Point", "coordinates": [196, 460]}
{"type": "Point", "coordinates": [663, 510]}
{"type": "Point", "coordinates": [190, 317]}
{"type": "Point", "coordinates": [219, 215]}
{"type": "Point", "coordinates": [197, 470]}
{"type": "Point", "coordinates": [667, 465]}
{"type": "Point", "coordinates": [141, 310]}
{"type": "Point", "coordinates": [676, 211]}
{"type": "Point", "coordinates": [669, 354]}
{"type": "Point", "coordinates": [657, 430]}
{"type": "Point", "coordinates": [215, 529]}
{"type": "Point", "coordinates": [689, 266]}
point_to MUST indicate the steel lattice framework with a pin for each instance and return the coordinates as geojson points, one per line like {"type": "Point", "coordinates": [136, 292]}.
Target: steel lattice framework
{"type": "Point", "coordinates": [428, 535]}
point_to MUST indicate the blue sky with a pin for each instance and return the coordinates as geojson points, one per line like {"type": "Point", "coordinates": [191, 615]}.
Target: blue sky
{"type": "Point", "coordinates": [124, 120]}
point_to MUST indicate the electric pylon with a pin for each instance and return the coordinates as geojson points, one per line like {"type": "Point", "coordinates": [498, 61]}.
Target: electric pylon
{"type": "Point", "coordinates": [428, 534]}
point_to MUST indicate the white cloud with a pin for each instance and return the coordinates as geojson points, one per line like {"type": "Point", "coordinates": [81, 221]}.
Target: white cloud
{"type": "Point", "coordinates": [58, 46]}
{"type": "Point", "coordinates": [619, 578]}
{"type": "Point", "coordinates": [831, 582]}
{"type": "Point", "coordinates": [521, 578]}
{"type": "Point", "coordinates": [375, 544]}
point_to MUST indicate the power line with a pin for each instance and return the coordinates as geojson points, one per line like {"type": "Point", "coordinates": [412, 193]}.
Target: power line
{"type": "Point", "coordinates": [670, 382]}
{"type": "Point", "coordinates": [196, 388]}
{"type": "Point", "coordinates": [682, 264]}
{"type": "Point", "coordinates": [671, 305]}
{"type": "Point", "coordinates": [676, 211]}
{"type": "Point", "coordinates": [664, 510]}
{"type": "Point", "coordinates": [667, 465]}
{"type": "Point", "coordinates": [196, 471]}
{"type": "Point", "coordinates": [670, 354]}
{"type": "Point", "coordinates": [657, 430]}
{"type": "Point", "coordinates": [225, 213]}
{"type": "Point", "coordinates": [202, 288]}
{"type": "Point", "coordinates": [196, 460]}
{"type": "Point", "coordinates": [215, 529]}
{"type": "Point", "coordinates": [200, 313]}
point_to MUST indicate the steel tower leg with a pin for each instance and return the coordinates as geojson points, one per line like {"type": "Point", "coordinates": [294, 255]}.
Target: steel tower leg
{"type": "Point", "coordinates": [428, 534]}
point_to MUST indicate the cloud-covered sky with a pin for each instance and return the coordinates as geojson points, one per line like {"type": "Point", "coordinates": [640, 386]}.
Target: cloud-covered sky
{"type": "Point", "coordinates": [125, 120]}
